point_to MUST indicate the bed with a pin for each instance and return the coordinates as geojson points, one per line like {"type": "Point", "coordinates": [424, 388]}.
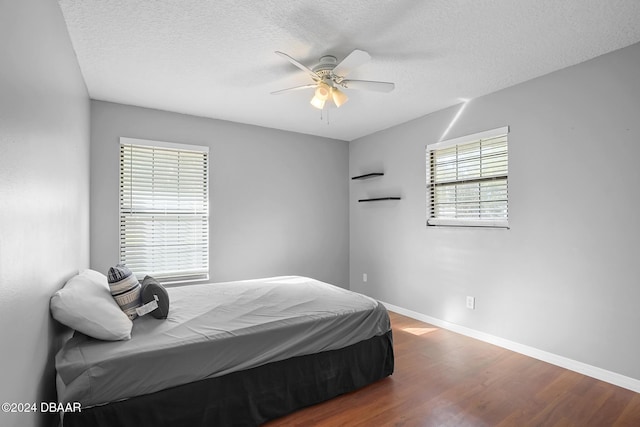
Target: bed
{"type": "Point", "coordinates": [233, 353]}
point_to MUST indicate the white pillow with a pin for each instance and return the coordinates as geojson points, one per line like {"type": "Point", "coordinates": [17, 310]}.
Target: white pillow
{"type": "Point", "coordinates": [86, 305]}
{"type": "Point", "coordinates": [95, 276]}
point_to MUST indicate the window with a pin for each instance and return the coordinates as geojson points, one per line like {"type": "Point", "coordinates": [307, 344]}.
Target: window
{"type": "Point", "coordinates": [467, 180]}
{"type": "Point", "coordinates": [164, 209]}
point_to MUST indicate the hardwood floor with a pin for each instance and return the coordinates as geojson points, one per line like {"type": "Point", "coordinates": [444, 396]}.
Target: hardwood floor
{"type": "Point", "coordinates": [445, 379]}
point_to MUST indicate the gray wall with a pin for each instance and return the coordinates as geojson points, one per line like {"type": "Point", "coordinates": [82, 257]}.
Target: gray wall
{"type": "Point", "coordinates": [565, 278]}
{"type": "Point", "coordinates": [278, 200]}
{"type": "Point", "coordinates": [44, 194]}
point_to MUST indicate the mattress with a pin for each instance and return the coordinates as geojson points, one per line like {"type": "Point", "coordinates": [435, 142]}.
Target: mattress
{"type": "Point", "coordinates": [216, 329]}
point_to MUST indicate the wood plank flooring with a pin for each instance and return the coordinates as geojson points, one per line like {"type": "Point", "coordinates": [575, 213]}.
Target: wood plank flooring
{"type": "Point", "coordinates": [445, 379]}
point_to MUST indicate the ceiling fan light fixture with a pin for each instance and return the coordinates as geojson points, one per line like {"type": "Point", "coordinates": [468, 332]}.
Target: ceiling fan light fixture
{"type": "Point", "coordinates": [317, 102]}
{"type": "Point", "coordinates": [321, 95]}
{"type": "Point", "coordinates": [322, 92]}
{"type": "Point", "coordinates": [338, 97]}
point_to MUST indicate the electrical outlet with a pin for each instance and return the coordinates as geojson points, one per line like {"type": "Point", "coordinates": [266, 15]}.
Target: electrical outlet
{"type": "Point", "coordinates": [471, 303]}
{"type": "Point", "coordinates": [364, 277]}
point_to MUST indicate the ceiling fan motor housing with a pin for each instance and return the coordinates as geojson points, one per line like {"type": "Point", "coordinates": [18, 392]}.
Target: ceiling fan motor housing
{"type": "Point", "coordinates": [326, 64]}
{"type": "Point", "coordinates": [324, 69]}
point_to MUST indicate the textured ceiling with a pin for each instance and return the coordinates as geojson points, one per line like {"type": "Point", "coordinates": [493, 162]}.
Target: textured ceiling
{"type": "Point", "coordinates": [216, 58]}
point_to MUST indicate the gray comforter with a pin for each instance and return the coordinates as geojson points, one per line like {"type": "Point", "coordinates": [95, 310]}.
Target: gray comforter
{"type": "Point", "coordinates": [215, 329]}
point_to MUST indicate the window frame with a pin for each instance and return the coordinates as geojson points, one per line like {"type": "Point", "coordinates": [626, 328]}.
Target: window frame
{"type": "Point", "coordinates": [478, 137]}
{"type": "Point", "coordinates": [175, 276]}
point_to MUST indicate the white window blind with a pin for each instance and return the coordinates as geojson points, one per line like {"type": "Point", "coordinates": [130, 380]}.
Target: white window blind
{"type": "Point", "coordinates": [164, 209]}
{"type": "Point", "coordinates": [467, 180]}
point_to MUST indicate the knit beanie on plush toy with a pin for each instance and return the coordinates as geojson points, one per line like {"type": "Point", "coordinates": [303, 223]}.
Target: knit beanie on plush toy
{"type": "Point", "coordinates": [125, 289]}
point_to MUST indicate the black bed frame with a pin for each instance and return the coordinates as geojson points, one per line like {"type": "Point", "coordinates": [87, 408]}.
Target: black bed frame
{"type": "Point", "coordinates": [253, 396]}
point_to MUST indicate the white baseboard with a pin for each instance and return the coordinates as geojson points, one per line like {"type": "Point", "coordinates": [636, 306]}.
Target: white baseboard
{"type": "Point", "coordinates": [573, 365]}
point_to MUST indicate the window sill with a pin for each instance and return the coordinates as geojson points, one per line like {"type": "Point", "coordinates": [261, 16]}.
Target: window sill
{"type": "Point", "coordinates": [468, 223]}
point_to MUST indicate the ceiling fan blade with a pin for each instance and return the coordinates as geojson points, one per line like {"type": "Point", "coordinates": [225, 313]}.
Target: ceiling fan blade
{"type": "Point", "coordinates": [278, 92]}
{"type": "Point", "coordinates": [368, 85]}
{"type": "Point", "coordinates": [352, 61]}
{"type": "Point", "coordinates": [304, 68]}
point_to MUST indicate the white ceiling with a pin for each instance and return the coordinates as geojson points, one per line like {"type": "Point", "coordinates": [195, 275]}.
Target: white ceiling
{"type": "Point", "coordinates": [216, 58]}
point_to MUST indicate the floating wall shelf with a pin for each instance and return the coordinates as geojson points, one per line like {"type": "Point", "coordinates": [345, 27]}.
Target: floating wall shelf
{"type": "Point", "coordinates": [369, 175]}
{"type": "Point", "coordinates": [376, 199]}
{"type": "Point", "coordinates": [379, 199]}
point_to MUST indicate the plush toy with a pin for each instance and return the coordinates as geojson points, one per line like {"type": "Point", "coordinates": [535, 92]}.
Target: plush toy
{"type": "Point", "coordinates": [154, 291]}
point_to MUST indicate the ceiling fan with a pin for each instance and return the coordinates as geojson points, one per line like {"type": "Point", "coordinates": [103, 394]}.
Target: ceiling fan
{"type": "Point", "coordinates": [329, 77]}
